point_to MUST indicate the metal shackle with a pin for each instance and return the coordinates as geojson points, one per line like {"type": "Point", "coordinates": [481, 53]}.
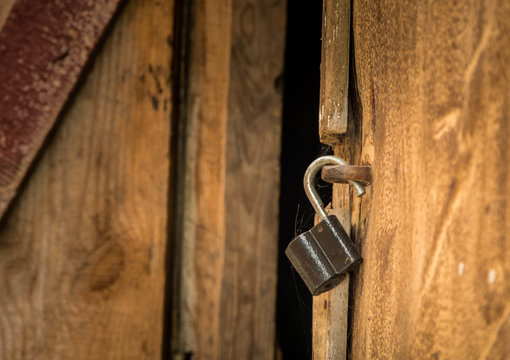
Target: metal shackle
{"type": "Point", "coordinates": [308, 182]}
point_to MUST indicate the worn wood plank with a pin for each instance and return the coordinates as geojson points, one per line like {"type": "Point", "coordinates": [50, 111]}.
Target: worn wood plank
{"type": "Point", "coordinates": [202, 201]}
{"type": "Point", "coordinates": [334, 70]}
{"type": "Point", "coordinates": [433, 87]}
{"type": "Point", "coordinates": [329, 326]}
{"type": "Point", "coordinates": [82, 254]}
{"type": "Point", "coordinates": [330, 310]}
{"type": "Point", "coordinates": [227, 292]}
{"type": "Point", "coordinates": [247, 317]}
{"type": "Point", "coordinates": [44, 46]}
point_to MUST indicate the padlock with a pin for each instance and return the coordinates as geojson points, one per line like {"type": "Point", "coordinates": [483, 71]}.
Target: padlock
{"type": "Point", "coordinates": [324, 254]}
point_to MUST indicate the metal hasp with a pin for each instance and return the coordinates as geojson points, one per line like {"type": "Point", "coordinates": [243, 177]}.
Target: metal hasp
{"type": "Point", "coordinates": [324, 254]}
{"type": "Point", "coordinates": [344, 173]}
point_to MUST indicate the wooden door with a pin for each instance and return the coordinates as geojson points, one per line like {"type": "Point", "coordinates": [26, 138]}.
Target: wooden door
{"type": "Point", "coordinates": [429, 111]}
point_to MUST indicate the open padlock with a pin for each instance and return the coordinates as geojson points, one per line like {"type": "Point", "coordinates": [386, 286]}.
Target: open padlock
{"type": "Point", "coordinates": [324, 254]}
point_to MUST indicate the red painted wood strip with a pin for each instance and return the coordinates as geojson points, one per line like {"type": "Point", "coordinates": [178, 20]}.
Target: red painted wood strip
{"type": "Point", "coordinates": [44, 45]}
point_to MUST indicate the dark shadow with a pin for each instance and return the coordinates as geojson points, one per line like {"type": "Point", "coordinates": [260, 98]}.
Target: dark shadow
{"type": "Point", "coordinates": [300, 146]}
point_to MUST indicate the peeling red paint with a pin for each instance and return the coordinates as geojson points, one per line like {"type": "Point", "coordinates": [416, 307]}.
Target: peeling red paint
{"type": "Point", "coordinates": [44, 46]}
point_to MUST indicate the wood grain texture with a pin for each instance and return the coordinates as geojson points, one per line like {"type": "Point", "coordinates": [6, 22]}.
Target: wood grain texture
{"type": "Point", "coordinates": [334, 70]}
{"type": "Point", "coordinates": [330, 333]}
{"type": "Point", "coordinates": [82, 254]}
{"type": "Point", "coordinates": [330, 311]}
{"type": "Point", "coordinates": [44, 46]}
{"type": "Point", "coordinates": [202, 201]}
{"type": "Point", "coordinates": [247, 317]}
{"type": "Point", "coordinates": [227, 293]}
{"type": "Point", "coordinates": [433, 86]}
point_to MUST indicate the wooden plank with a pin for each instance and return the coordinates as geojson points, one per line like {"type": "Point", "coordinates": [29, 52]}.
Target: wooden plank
{"type": "Point", "coordinates": [227, 292]}
{"type": "Point", "coordinates": [82, 254]}
{"type": "Point", "coordinates": [334, 70]}
{"type": "Point", "coordinates": [433, 88]}
{"type": "Point", "coordinates": [198, 290]}
{"type": "Point", "coordinates": [329, 332]}
{"type": "Point", "coordinates": [330, 310]}
{"type": "Point", "coordinates": [44, 46]}
{"type": "Point", "coordinates": [202, 192]}
{"type": "Point", "coordinates": [247, 317]}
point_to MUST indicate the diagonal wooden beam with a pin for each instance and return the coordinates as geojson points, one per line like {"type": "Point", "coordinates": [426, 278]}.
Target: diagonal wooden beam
{"type": "Point", "coordinates": [44, 46]}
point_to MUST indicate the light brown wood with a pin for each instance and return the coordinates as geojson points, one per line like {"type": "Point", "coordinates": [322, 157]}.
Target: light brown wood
{"type": "Point", "coordinates": [226, 293]}
{"type": "Point", "coordinates": [433, 87]}
{"type": "Point", "coordinates": [330, 310]}
{"type": "Point", "coordinates": [82, 253]}
{"type": "Point", "coordinates": [329, 324]}
{"type": "Point", "coordinates": [5, 7]}
{"type": "Point", "coordinates": [198, 290]}
{"type": "Point", "coordinates": [330, 333]}
{"type": "Point", "coordinates": [334, 70]}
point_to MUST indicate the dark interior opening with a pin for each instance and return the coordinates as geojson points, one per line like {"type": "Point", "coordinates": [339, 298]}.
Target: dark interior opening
{"type": "Point", "coordinates": [300, 146]}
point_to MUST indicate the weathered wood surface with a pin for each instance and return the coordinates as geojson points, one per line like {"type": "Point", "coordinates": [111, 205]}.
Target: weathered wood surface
{"type": "Point", "coordinates": [334, 70]}
{"type": "Point", "coordinates": [227, 291]}
{"type": "Point", "coordinates": [247, 317]}
{"type": "Point", "coordinates": [433, 80]}
{"type": "Point", "coordinates": [201, 197]}
{"type": "Point", "coordinates": [330, 310]}
{"type": "Point", "coordinates": [82, 253]}
{"type": "Point", "coordinates": [329, 326]}
{"type": "Point", "coordinates": [44, 46]}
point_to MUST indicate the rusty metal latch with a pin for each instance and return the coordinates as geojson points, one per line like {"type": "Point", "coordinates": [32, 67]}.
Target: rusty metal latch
{"type": "Point", "coordinates": [345, 173]}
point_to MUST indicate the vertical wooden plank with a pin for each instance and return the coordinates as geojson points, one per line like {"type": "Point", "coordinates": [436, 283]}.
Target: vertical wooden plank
{"type": "Point", "coordinates": [209, 159]}
{"type": "Point", "coordinates": [329, 332]}
{"type": "Point", "coordinates": [247, 316]}
{"type": "Point", "coordinates": [227, 292]}
{"type": "Point", "coordinates": [433, 87]}
{"type": "Point", "coordinates": [196, 329]}
{"type": "Point", "coordinates": [82, 254]}
{"type": "Point", "coordinates": [334, 70]}
{"type": "Point", "coordinates": [330, 310]}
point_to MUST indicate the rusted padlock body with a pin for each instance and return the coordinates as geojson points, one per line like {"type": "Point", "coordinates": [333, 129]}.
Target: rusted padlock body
{"type": "Point", "coordinates": [323, 255]}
